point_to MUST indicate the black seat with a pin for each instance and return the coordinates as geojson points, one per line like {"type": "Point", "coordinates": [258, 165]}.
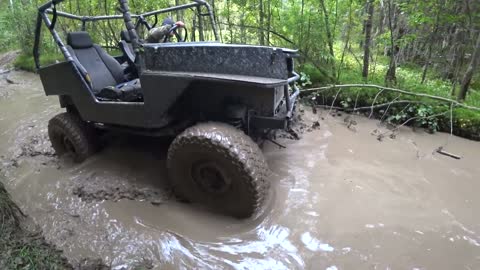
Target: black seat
{"type": "Point", "coordinates": [128, 54]}
{"type": "Point", "coordinates": [106, 74]}
{"type": "Point", "coordinates": [126, 47]}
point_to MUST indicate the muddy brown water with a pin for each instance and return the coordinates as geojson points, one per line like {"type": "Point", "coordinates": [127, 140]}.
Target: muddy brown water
{"type": "Point", "coordinates": [343, 199]}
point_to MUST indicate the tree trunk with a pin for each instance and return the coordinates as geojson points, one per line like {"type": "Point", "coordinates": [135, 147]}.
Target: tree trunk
{"type": "Point", "coordinates": [243, 30]}
{"type": "Point", "coordinates": [391, 75]}
{"type": "Point", "coordinates": [467, 78]}
{"type": "Point", "coordinates": [261, 34]}
{"type": "Point", "coordinates": [430, 45]}
{"type": "Point", "coordinates": [201, 36]}
{"type": "Point", "coordinates": [269, 20]}
{"type": "Point", "coordinates": [229, 22]}
{"type": "Point", "coordinates": [329, 36]}
{"type": "Point", "coordinates": [179, 13]}
{"type": "Point", "coordinates": [368, 37]}
{"type": "Point", "coordinates": [194, 28]}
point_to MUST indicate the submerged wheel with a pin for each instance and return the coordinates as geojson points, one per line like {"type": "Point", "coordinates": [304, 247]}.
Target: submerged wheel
{"type": "Point", "coordinates": [71, 136]}
{"type": "Point", "coordinates": [217, 165]}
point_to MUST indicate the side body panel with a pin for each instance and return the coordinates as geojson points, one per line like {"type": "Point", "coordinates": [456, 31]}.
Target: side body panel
{"type": "Point", "coordinates": [60, 79]}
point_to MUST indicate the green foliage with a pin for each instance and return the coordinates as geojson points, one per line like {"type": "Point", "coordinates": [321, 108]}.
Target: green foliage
{"type": "Point", "coordinates": [19, 25]}
{"type": "Point", "coordinates": [466, 123]}
{"type": "Point", "coordinates": [305, 79]}
{"type": "Point", "coordinates": [6, 36]}
{"type": "Point", "coordinates": [314, 74]}
{"type": "Point", "coordinates": [422, 116]}
{"type": "Point", "coordinates": [431, 115]}
{"type": "Point", "coordinates": [25, 61]}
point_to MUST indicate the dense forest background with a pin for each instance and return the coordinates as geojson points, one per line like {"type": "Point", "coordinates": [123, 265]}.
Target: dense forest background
{"type": "Point", "coordinates": [430, 46]}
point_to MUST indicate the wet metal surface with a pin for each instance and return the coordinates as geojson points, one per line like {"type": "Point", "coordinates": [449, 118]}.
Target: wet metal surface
{"type": "Point", "coordinates": [220, 58]}
{"type": "Point", "coordinates": [343, 199]}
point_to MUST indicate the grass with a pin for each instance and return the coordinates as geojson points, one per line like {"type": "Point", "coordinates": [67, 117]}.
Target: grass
{"type": "Point", "coordinates": [25, 61]}
{"type": "Point", "coordinates": [20, 248]}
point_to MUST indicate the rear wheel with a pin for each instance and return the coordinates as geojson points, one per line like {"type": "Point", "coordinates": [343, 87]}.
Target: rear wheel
{"type": "Point", "coordinates": [219, 166]}
{"type": "Point", "coordinates": [71, 136]}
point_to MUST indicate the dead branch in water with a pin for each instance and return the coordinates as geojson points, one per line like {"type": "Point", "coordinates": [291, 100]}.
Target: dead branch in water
{"type": "Point", "coordinates": [276, 143]}
{"type": "Point", "coordinates": [383, 88]}
{"type": "Point", "coordinates": [445, 153]}
{"type": "Point", "coordinates": [370, 107]}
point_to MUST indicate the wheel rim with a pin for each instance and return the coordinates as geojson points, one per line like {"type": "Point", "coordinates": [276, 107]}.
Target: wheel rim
{"type": "Point", "coordinates": [210, 177]}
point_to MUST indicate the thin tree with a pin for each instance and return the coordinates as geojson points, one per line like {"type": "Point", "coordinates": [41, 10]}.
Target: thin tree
{"type": "Point", "coordinates": [431, 42]}
{"type": "Point", "coordinates": [261, 16]}
{"type": "Point", "coordinates": [368, 38]}
{"type": "Point", "coordinates": [329, 36]}
{"type": "Point", "coordinates": [392, 67]}
{"type": "Point", "coordinates": [472, 67]}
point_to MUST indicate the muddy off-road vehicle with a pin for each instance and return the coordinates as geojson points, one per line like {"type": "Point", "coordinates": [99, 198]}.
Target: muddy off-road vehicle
{"type": "Point", "coordinates": [217, 99]}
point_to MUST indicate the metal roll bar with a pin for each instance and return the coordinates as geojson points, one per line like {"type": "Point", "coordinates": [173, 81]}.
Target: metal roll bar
{"type": "Point", "coordinates": [47, 9]}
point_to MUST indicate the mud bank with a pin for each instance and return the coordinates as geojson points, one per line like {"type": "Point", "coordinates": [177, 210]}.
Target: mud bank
{"type": "Point", "coordinates": [21, 246]}
{"type": "Point", "coordinates": [343, 198]}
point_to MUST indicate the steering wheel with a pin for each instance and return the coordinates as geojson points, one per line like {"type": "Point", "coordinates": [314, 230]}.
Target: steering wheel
{"type": "Point", "coordinates": [177, 35]}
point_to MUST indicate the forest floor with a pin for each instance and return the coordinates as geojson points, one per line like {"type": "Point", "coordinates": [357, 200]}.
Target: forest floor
{"type": "Point", "coordinates": [428, 113]}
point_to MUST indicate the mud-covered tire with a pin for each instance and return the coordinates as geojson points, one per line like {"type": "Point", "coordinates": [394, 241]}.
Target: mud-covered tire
{"type": "Point", "coordinates": [71, 135]}
{"type": "Point", "coordinates": [239, 163]}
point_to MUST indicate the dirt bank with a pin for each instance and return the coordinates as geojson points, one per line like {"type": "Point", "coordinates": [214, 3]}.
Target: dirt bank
{"type": "Point", "coordinates": [21, 243]}
{"type": "Point", "coordinates": [344, 199]}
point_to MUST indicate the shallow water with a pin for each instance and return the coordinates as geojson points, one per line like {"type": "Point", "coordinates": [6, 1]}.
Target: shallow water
{"type": "Point", "coordinates": [343, 199]}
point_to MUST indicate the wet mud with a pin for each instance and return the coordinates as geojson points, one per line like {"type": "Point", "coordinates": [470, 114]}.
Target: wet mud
{"type": "Point", "coordinates": [298, 125]}
{"type": "Point", "coordinates": [343, 198]}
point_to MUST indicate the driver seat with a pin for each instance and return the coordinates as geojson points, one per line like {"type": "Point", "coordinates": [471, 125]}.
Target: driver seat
{"type": "Point", "coordinates": [106, 74]}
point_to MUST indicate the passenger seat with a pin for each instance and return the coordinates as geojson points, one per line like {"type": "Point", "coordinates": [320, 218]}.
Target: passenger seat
{"type": "Point", "coordinates": [106, 74]}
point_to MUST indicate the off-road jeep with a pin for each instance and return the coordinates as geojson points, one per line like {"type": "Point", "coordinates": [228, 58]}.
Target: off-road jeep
{"type": "Point", "coordinates": [217, 99]}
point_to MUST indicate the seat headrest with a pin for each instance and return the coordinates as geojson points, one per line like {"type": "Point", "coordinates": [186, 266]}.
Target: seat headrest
{"type": "Point", "coordinates": [125, 36]}
{"type": "Point", "coordinates": [79, 40]}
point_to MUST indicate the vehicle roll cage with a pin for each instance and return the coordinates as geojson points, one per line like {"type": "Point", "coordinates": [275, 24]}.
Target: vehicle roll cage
{"type": "Point", "coordinates": [50, 8]}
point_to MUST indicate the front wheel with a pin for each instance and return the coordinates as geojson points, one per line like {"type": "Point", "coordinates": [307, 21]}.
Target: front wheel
{"type": "Point", "coordinates": [219, 166]}
{"type": "Point", "coordinates": [71, 136]}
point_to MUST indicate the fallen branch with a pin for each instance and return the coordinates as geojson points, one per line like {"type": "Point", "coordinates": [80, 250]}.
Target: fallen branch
{"type": "Point", "coordinates": [370, 107]}
{"type": "Point", "coordinates": [383, 88]}
{"type": "Point", "coordinates": [276, 143]}
{"type": "Point", "coordinates": [389, 104]}
{"type": "Point", "coordinates": [375, 100]}
{"type": "Point", "coordinates": [338, 92]}
{"type": "Point", "coordinates": [445, 153]}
